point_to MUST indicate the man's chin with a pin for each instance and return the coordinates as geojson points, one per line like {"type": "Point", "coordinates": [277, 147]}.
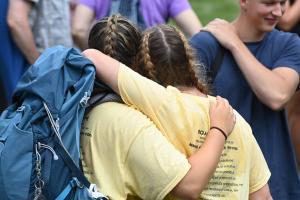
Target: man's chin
{"type": "Point", "coordinates": [268, 28]}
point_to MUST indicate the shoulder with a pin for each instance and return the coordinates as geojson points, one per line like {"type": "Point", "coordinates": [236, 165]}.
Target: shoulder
{"type": "Point", "coordinates": [285, 49]}
{"type": "Point", "coordinates": [95, 4]}
{"type": "Point", "coordinates": [283, 39]}
{"type": "Point", "coordinates": [128, 76]}
{"type": "Point", "coordinates": [184, 3]}
{"type": "Point", "coordinates": [205, 46]}
{"type": "Point", "coordinates": [112, 114]}
{"type": "Point", "coordinates": [175, 7]}
{"type": "Point", "coordinates": [203, 39]}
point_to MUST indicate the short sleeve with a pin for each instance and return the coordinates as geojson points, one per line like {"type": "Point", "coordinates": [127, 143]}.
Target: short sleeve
{"type": "Point", "coordinates": [205, 46]}
{"type": "Point", "coordinates": [290, 55]}
{"type": "Point", "coordinates": [259, 171]}
{"type": "Point", "coordinates": [154, 166]}
{"type": "Point", "coordinates": [139, 91]}
{"type": "Point", "coordinates": [89, 3]}
{"type": "Point", "coordinates": [178, 6]}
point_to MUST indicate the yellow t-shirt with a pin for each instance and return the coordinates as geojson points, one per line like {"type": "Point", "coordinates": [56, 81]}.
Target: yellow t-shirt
{"type": "Point", "coordinates": [184, 120]}
{"type": "Point", "coordinates": [126, 156]}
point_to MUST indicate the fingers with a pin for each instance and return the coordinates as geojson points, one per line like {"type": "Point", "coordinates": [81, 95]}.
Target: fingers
{"type": "Point", "coordinates": [234, 118]}
{"type": "Point", "coordinates": [222, 102]}
{"type": "Point", "coordinates": [226, 112]}
{"type": "Point", "coordinates": [227, 105]}
{"type": "Point", "coordinates": [214, 23]}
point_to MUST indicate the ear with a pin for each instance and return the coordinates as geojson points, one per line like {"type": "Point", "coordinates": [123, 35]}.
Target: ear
{"type": "Point", "coordinates": [243, 4]}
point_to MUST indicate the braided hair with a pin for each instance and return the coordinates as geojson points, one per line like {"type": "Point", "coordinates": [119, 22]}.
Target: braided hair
{"type": "Point", "coordinates": [117, 37]}
{"type": "Point", "coordinates": [166, 57]}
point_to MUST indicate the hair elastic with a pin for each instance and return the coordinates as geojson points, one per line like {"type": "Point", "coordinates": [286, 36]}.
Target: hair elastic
{"type": "Point", "coordinates": [223, 133]}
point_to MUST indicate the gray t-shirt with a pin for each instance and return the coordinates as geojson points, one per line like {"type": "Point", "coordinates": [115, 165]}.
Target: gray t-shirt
{"type": "Point", "coordinates": [50, 22]}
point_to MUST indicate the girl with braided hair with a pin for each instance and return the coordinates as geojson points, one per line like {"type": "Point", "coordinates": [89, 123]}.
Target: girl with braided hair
{"type": "Point", "coordinates": [124, 153]}
{"type": "Point", "coordinates": [166, 57]}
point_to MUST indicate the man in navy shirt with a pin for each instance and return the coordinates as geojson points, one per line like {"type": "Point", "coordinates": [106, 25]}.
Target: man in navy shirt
{"type": "Point", "coordinates": [258, 75]}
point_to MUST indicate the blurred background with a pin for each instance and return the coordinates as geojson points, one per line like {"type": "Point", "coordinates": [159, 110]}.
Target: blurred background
{"type": "Point", "coordinates": [210, 9]}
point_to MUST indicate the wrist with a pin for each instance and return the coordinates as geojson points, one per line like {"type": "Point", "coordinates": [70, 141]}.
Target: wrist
{"type": "Point", "coordinates": [235, 46]}
{"type": "Point", "coordinates": [220, 131]}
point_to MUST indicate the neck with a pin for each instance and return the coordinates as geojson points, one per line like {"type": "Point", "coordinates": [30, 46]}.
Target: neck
{"type": "Point", "coordinates": [245, 33]}
{"type": "Point", "coordinates": [190, 90]}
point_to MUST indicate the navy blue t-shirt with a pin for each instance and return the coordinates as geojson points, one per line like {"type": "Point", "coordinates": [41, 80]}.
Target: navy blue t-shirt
{"type": "Point", "coordinates": [269, 127]}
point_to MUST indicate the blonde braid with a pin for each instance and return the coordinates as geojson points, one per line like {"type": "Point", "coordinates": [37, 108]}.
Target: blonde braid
{"type": "Point", "coordinates": [191, 64]}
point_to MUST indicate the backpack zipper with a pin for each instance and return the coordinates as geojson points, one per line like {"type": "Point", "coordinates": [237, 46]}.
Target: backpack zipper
{"type": "Point", "coordinates": [39, 184]}
{"type": "Point", "coordinates": [41, 145]}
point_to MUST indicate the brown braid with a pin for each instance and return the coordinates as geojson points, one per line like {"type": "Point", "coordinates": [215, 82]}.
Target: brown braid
{"type": "Point", "coordinates": [118, 37]}
{"type": "Point", "coordinates": [110, 36]}
{"type": "Point", "coordinates": [144, 58]}
{"type": "Point", "coordinates": [166, 58]}
{"type": "Point", "coordinates": [192, 65]}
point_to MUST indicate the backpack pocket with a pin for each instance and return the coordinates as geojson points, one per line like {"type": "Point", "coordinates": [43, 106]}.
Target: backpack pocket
{"type": "Point", "coordinates": [6, 121]}
{"type": "Point", "coordinates": [15, 161]}
{"type": "Point", "coordinates": [3, 133]}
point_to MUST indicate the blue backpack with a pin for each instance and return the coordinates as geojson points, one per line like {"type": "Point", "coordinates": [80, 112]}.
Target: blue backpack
{"type": "Point", "coordinates": [40, 131]}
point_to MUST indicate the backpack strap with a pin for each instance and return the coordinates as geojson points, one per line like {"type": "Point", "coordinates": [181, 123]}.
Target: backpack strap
{"type": "Point", "coordinates": [78, 178]}
{"type": "Point", "coordinates": [64, 154]}
{"type": "Point", "coordinates": [217, 63]}
{"type": "Point", "coordinates": [101, 94]}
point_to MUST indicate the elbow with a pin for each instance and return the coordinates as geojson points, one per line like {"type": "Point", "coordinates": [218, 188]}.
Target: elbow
{"type": "Point", "coordinates": [188, 192]}
{"type": "Point", "coordinates": [79, 34]}
{"type": "Point", "coordinates": [189, 196]}
{"type": "Point", "coordinates": [13, 23]}
{"type": "Point", "coordinates": [192, 194]}
{"type": "Point", "coordinates": [276, 106]}
{"type": "Point", "coordinates": [93, 55]}
{"type": "Point", "coordinates": [88, 53]}
{"type": "Point", "coordinates": [278, 103]}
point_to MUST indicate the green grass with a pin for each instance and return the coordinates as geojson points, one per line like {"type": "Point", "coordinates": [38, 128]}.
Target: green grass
{"type": "Point", "coordinates": [210, 9]}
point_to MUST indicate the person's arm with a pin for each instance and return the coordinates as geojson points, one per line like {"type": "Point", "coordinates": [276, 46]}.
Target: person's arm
{"type": "Point", "coordinates": [81, 23]}
{"type": "Point", "coordinates": [188, 22]}
{"type": "Point", "coordinates": [106, 67]}
{"type": "Point", "coordinates": [204, 162]}
{"type": "Point", "coordinates": [273, 87]}
{"type": "Point", "coordinates": [18, 23]}
{"type": "Point", "coordinates": [291, 16]}
{"type": "Point", "coordinates": [261, 194]}
{"type": "Point", "coordinates": [293, 113]}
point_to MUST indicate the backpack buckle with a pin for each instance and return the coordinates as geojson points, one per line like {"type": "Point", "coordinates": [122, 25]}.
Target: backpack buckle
{"type": "Point", "coordinates": [21, 108]}
{"type": "Point", "coordinates": [94, 193]}
{"type": "Point", "coordinates": [84, 99]}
